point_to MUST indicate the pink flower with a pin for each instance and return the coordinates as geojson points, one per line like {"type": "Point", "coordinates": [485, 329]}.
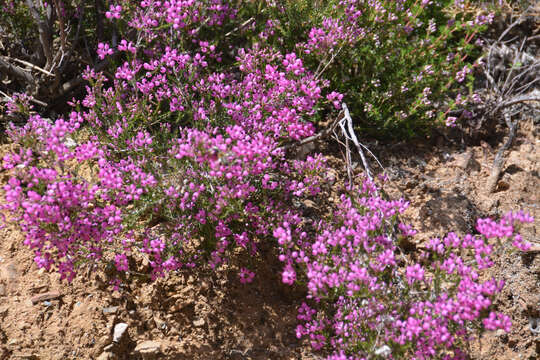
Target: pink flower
{"type": "Point", "coordinates": [414, 273]}
{"type": "Point", "coordinates": [121, 262]}
{"type": "Point", "coordinates": [451, 121]}
{"type": "Point", "coordinates": [104, 50]}
{"type": "Point", "coordinates": [246, 276]}
{"type": "Point", "coordinates": [114, 12]}
{"type": "Point", "coordinates": [288, 275]}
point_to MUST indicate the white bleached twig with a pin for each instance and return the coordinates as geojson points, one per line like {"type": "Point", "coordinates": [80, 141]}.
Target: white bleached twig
{"type": "Point", "coordinates": [349, 134]}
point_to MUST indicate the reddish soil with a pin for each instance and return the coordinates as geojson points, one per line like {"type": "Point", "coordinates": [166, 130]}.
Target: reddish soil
{"type": "Point", "coordinates": [208, 315]}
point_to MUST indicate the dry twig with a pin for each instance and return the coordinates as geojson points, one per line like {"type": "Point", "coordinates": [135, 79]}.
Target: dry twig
{"type": "Point", "coordinates": [499, 158]}
{"type": "Point", "coordinates": [16, 71]}
{"type": "Point", "coordinates": [508, 85]}
{"type": "Point", "coordinates": [349, 134]}
{"type": "Point", "coordinates": [30, 65]}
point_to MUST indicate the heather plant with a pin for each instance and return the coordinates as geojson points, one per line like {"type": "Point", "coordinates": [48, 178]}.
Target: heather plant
{"type": "Point", "coordinates": [178, 157]}
{"type": "Point", "coordinates": [404, 67]}
{"type": "Point", "coordinates": [367, 298]}
{"type": "Point", "coordinates": [212, 194]}
{"type": "Point", "coordinates": [168, 142]}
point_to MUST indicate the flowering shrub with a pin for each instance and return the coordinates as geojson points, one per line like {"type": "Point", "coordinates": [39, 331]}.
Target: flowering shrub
{"type": "Point", "coordinates": [369, 298]}
{"type": "Point", "coordinates": [179, 158]}
{"type": "Point", "coordinates": [402, 65]}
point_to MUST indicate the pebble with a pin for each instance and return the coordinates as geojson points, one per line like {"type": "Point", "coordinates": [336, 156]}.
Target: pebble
{"type": "Point", "coordinates": [148, 347]}
{"type": "Point", "coordinates": [80, 308]}
{"type": "Point", "coordinates": [110, 310]}
{"type": "Point", "coordinates": [69, 142]}
{"type": "Point", "coordinates": [383, 351]}
{"type": "Point", "coordinates": [463, 160]}
{"type": "Point", "coordinates": [534, 325]}
{"type": "Point", "coordinates": [304, 150]}
{"type": "Point", "coordinates": [331, 178]}
{"type": "Point", "coordinates": [119, 331]}
{"type": "Point", "coordinates": [198, 323]}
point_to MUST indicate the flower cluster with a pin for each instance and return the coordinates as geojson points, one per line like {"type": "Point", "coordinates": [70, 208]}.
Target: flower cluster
{"type": "Point", "coordinates": [364, 296]}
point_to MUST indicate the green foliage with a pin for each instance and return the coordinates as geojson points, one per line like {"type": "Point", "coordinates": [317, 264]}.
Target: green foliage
{"type": "Point", "coordinates": [387, 59]}
{"type": "Point", "coordinates": [16, 22]}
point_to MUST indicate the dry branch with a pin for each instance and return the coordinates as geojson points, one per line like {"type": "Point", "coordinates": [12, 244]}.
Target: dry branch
{"type": "Point", "coordinates": [510, 71]}
{"type": "Point", "coordinates": [30, 65]}
{"type": "Point", "coordinates": [16, 71]}
{"type": "Point", "coordinates": [498, 163]}
{"type": "Point", "coordinates": [350, 135]}
{"type": "Point", "coordinates": [45, 31]}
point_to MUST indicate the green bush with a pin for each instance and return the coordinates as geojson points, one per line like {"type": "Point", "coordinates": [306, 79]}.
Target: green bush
{"type": "Point", "coordinates": [402, 65]}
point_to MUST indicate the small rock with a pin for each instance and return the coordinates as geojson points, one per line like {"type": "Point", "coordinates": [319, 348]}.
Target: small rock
{"type": "Point", "coordinates": [119, 331]}
{"type": "Point", "coordinates": [148, 347]}
{"type": "Point", "coordinates": [304, 150]}
{"type": "Point", "coordinates": [500, 332]}
{"type": "Point", "coordinates": [534, 325]}
{"type": "Point", "coordinates": [464, 160]}
{"type": "Point", "coordinates": [69, 142]}
{"type": "Point", "coordinates": [198, 323]}
{"type": "Point", "coordinates": [331, 177]}
{"type": "Point", "coordinates": [45, 296]}
{"type": "Point", "coordinates": [110, 310]}
{"type": "Point", "coordinates": [383, 351]}
{"type": "Point", "coordinates": [80, 308]}
{"type": "Point", "coordinates": [160, 324]}
{"type": "Point", "coordinates": [100, 345]}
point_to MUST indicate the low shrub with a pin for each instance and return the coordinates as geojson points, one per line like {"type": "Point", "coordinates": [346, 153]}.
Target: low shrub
{"type": "Point", "coordinates": [179, 158]}
{"type": "Point", "coordinates": [403, 66]}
